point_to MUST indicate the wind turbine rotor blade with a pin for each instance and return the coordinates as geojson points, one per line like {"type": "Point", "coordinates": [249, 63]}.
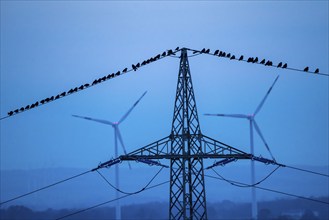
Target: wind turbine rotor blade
{"type": "Point", "coordinates": [268, 92]}
{"type": "Point", "coordinates": [229, 115]}
{"type": "Point", "coordinates": [263, 139]}
{"type": "Point", "coordinates": [128, 112]}
{"type": "Point", "coordinates": [122, 144]}
{"type": "Point", "coordinates": [94, 119]}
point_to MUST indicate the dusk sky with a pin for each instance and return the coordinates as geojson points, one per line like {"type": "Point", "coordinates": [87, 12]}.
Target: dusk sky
{"type": "Point", "coordinates": [48, 47]}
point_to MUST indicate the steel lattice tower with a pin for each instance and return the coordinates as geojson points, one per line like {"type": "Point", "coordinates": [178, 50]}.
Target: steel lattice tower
{"type": "Point", "coordinates": [186, 148]}
{"type": "Point", "coordinates": [187, 189]}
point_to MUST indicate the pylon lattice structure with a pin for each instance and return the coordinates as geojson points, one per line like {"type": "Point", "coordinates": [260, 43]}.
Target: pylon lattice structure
{"type": "Point", "coordinates": [186, 148]}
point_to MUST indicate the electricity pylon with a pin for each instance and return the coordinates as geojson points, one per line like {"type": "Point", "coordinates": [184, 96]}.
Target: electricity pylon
{"type": "Point", "coordinates": [186, 148]}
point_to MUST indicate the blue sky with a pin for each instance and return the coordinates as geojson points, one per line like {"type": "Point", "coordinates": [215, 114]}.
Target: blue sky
{"type": "Point", "coordinates": [50, 47]}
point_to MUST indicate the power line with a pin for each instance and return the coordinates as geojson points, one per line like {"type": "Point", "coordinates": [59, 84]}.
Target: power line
{"type": "Point", "coordinates": [255, 60]}
{"type": "Point", "coordinates": [307, 171]}
{"type": "Point", "coordinates": [266, 189]}
{"type": "Point", "coordinates": [247, 185]}
{"type": "Point", "coordinates": [37, 190]}
{"type": "Point", "coordinates": [109, 201]}
{"type": "Point", "coordinates": [134, 67]}
{"type": "Point", "coordinates": [130, 193]}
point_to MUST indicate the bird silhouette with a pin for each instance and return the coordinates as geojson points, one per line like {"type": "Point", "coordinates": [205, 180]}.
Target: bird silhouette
{"type": "Point", "coordinates": [76, 88]}
{"type": "Point", "coordinates": [223, 54]}
{"type": "Point", "coordinates": [143, 63]}
{"type": "Point", "coordinates": [241, 58]}
{"type": "Point", "coordinates": [232, 57]}
{"type": "Point", "coordinates": [250, 59]}
{"type": "Point", "coordinates": [110, 76]}
{"type": "Point", "coordinates": [71, 90]}
{"type": "Point", "coordinates": [170, 52]}
{"type": "Point", "coordinates": [51, 98]}
{"type": "Point", "coordinates": [203, 50]}
{"type": "Point", "coordinates": [317, 70]}
{"type": "Point", "coordinates": [95, 82]}
{"type": "Point", "coordinates": [255, 60]}
{"type": "Point", "coordinates": [306, 69]}
{"type": "Point", "coordinates": [216, 52]}
{"type": "Point", "coordinates": [86, 85]}
{"type": "Point", "coordinates": [21, 109]}
{"type": "Point", "coordinates": [285, 66]}
{"type": "Point", "coordinates": [46, 100]}
{"type": "Point", "coordinates": [32, 106]}
{"type": "Point", "coordinates": [27, 107]}
{"type": "Point", "coordinates": [10, 113]}
{"type": "Point", "coordinates": [124, 70]}
{"type": "Point", "coordinates": [117, 73]}
{"type": "Point", "coordinates": [177, 48]}
{"type": "Point", "coordinates": [63, 93]}
{"type": "Point", "coordinates": [16, 111]}
{"type": "Point", "coordinates": [228, 55]}
{"type": "Point", "coordinates": [279, 65]}
{"type": "Point", "coordinates": [42, 101]}
{"type": "Point", "coordinates": [138, 65]}
{"type": "Point", "coordinates": [262, 62]}
{"type": "Point", "coordinates": [157, 56]}
{"type": "Point", "coordinates": [57, 97]}
{"type": "Point", "coordinates": [164, 54]}
{"type": "Point", "coordinates": [81, 87]}
{"type": "Point", "coordinates": [207, 51]}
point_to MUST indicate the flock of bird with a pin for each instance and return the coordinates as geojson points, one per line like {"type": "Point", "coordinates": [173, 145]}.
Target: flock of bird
{"type": "Point", "coordinates": [134, 67]}
{"type": "Point", "coordinates": [250, 59]}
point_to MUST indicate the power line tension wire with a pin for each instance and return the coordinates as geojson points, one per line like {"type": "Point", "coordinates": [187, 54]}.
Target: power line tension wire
{"type": "Point", "coordinates": [239, 184]}
{"type": "Point", "coordinates": [130, 193]}
{"type": "Point", "coordinates": [43, 188]}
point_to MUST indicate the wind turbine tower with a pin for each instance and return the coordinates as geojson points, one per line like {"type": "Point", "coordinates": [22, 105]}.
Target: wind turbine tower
{"type": "Point", "coordinates": [117, 136]}
{"type": "Point", "coordinates": [253, 124]}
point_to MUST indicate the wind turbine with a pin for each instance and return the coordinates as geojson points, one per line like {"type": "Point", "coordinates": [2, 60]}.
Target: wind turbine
{"type": "Point", "coordinates": [117, 136]}
{"type": "Point", "coordinates": [253, 124]}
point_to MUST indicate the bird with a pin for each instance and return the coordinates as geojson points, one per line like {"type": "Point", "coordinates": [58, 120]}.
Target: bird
{"type": "Point", "coordinates": [86, 85]}
{"type": "Point", "coordinates": [262, 62]}
{"type": "Point", "coordinates": [47, 100]}
{"type": "Point", "coordinates": [36, 104]}
{"type": "Point", "coordinates": [27, 107]}
{"type": "Point", "coordinates": [170, 52]}
{"type": "Point", "coordinates": [57, 97]}
{"type": "Point", "coordinates": [117, 73]}
{"type": "Point", "coordinates": [267, 63]}
{"type": "Point", "coordinates": [42, 101]}
{"type": "Point", "coordinates": [203, 50]}
{"type": "Point", "coordinates": [81, 87]}
{"type": "Point", "coordinates": [134, 67]}
{"type": "Point", "coordinates": [71, 90]}
{"type": "Point", "coordinates": [21, 109]}
{"type": "Point", "coordinates": [306, 69]}
{"type": "Point", "coordinates": [10, 113]}
{"type": "Point", "coordinates": [103, 79]}
{"type": "Point", "coordinates": [16, 111]}
{"type": "Point", "coordinates": [51, 98]}
{"type": "Point", "coordinates": [250, 59]}
{"type": "Point", "coordinates": [124, 70]}
{"type": "Point", "coordinates": [157, 56]}
{"type": "Point", "coordinates": [270, 63]}
{"type": "Point", "coordinates": [138, 65]}
{"type": "Point", "coordinates": [110, 76]}
{"type": "Point", "coordinates": [207, 51]}
{"type": "Point", "coordinates": [216, 52]}
{"type": "Point", "coordinates": [317, 70]}
{"type": "Point", "coordinates": [32, 106]}
{"type": "Point", "coordinates": [223, 54]}
{"type": "Point", "coordinates": [76, 89]}
{"type": "Point", "coordinates": [255, 60]}
{"type": "Point", "coordinates": [143, 63]}
{"type": "Point", "coordinates": [228, 55]}
{"type": "Point", "coordinates": [279, 65]}
{"type": "Point", "coordinates": [232, 57]}
{"type": "Point", "coordinates": [177, 48]}
{"type": "Point", "coordinates": [63, 93]}
{"type": "Point", "coordinates": [241, 58]}
{"type": "Point", "coordinates": [285, 66]}
{"type": "Point", "coordinates": [164, 54]}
